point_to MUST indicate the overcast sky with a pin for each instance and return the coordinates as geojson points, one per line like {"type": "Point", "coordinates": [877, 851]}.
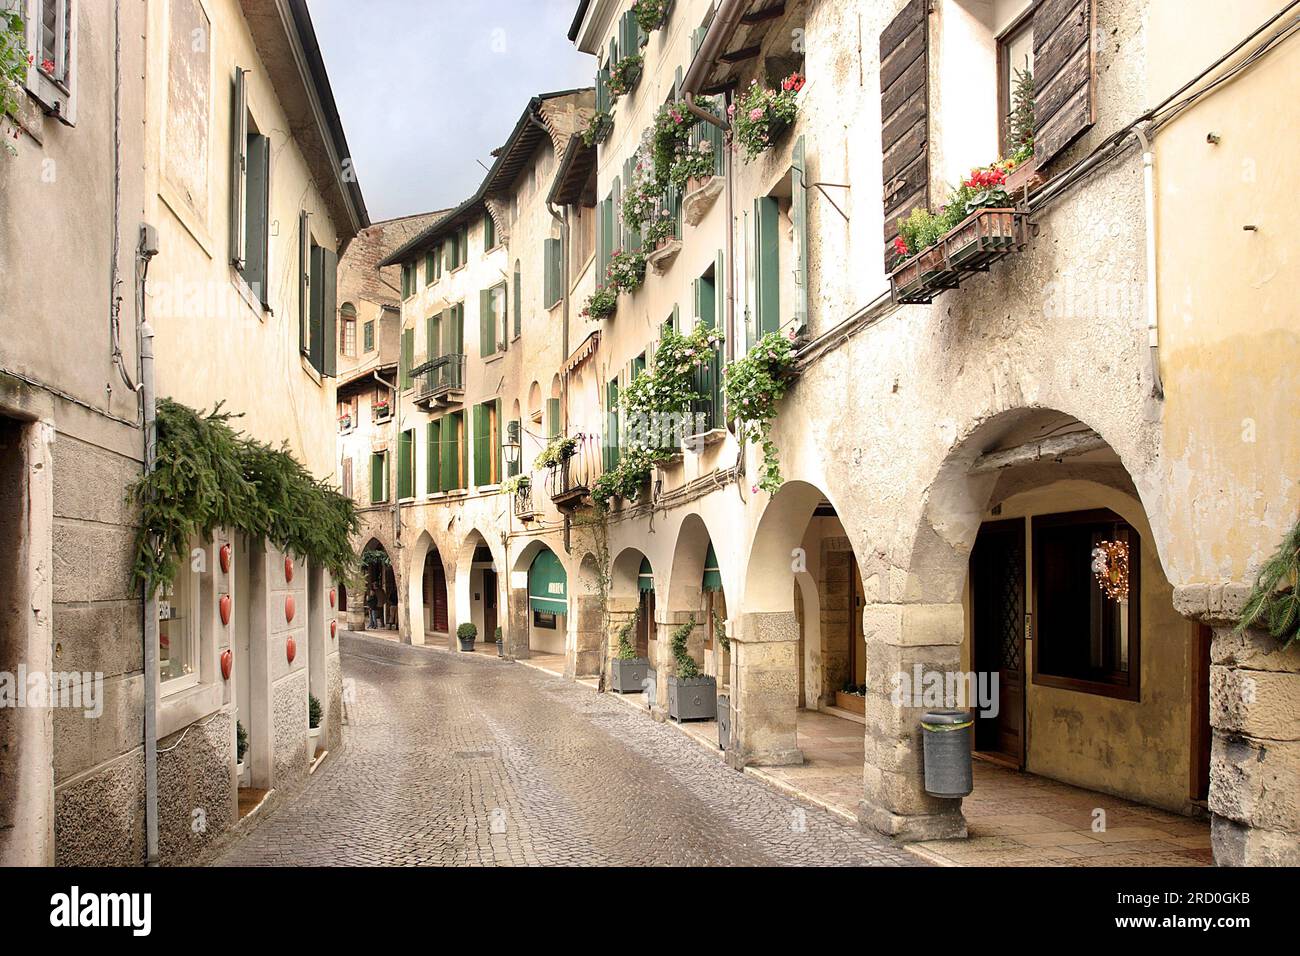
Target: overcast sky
{"type": "Point", "coordinates": [426, 87]}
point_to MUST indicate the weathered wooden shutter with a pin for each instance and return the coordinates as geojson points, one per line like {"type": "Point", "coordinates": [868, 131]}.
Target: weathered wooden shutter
{"type": "Point", "coordinates": [610, 449]}
{"type": "Point", "coordinates": [328, 281]}
{"type": "Point", "coordinates": [905, 115]}
{"type": "Point", "coordinates": [602, 90]}
{"type": "Point", "coordinates": [433, 459]}
{"type": "Point", "coordinates": [378, 491]}
{"type": "Point", "coordinates": [257, 227]}
{"type": "Point", "coordinates": [428, 268]}
{"type": "Point", "coordinates": [486, 338]}
{"type": "Point", "coordinates": [408, 350]}
{"type": "Point", "coordinates": [481, 471]}
{"type": "Point", "coordinates": [405, 487]}
{"type": "Point", "coordinates": [304, 282]}
{"type": "Point", "coordinates": [552, 418]}
{"type": "Point", "coordinates": [552, 280]}
{"type": "Point", "coordinates": [449, 466]}
{"type": "Point", "coordinates": [238, 168]}
{"type": "Point", "coordinates": [489, 232]}
{"type": "Point", "coordinates": [767, 275]}
{"type": "Point", "coordinates": [464, 245]}
{"type": "Point", "coordinates": [799, 213]}
{"type": "Point", "coordinates": [1065, 74]}
{"type": "Point", "coordinates": [316, 355]}
{"type": "Point", "coordinates": [518, 301]}
{"type": "Point", "coordinates": [495, 427]}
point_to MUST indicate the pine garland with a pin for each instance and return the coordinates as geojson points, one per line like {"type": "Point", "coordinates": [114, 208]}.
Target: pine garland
{"type": "Point", "coordinates": [207, 476]}
{"type": "Point", "coordinates": [1274, 604]}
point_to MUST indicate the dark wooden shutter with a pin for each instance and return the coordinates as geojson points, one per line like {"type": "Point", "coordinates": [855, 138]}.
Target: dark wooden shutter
{"type": "Point", "coordinates": [486, 337]}
{"type": "Point", "coordinates": [304, 282]}
{"type": "Point", "coordinates": [767, 274]}
{"type": "Point", "coordinates": [799, 213]}
{"type": "Point", "coordinates": [905, 115]}
{"type": "Point", "coordinates": [238, 168]}
{"type": "Point", "coordinates": [378, 492]}
{"type": "Point", "coordinates": [518, 300]}
{"type": "Point", "coordinates": [329, 311]}
{"type": "Point", "coordinates": [433, 459]}
{"type": "Point", "coordinates": [256, 226]}
{"type": "Point", "coordinates": [1065, 77]}
{"type": "Point", "coordinates": [316, 284]}
{"type": "Point", "coordinates": [406, 464]}
{"type": "Point", "coordinates": [552, 418]}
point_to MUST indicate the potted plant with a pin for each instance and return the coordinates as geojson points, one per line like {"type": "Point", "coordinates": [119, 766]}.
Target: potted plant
{"type": "Point", "coordinates": [380, 409]}
{"type": "Point", "coordinates": [626, 270]}
{"type": "Point", "coordinates": [691, 695]}
{"type": "Point", "coordinates": [624, 74]}
{"type": "Point", "coordinates": [761, 115]}
{"type": "Point", "coordinates": [501, 642]}
{"type": "Point", "coordinates": [313, 726]}
{"type": "Point", "coordinates": [598, 128]}
{"type": "Point", "coordinates": [661, 231]}
{"type": "Point", "coordinates": [345, 422]}
{"type": "Point", "coordinates": [649, 13]}
{"type": "Point", "coordinates": [852, 698]}
{"type": "Point", "coordinates": [467, 634]}
{"type": "Point", "coordinates": [628, 672]}
{"type": "Point", "coordinates": [242, 767]}
{"type": "Point", "coordinates": [694, 166]}
{"type": "Point", "coordinates": [601, 304]}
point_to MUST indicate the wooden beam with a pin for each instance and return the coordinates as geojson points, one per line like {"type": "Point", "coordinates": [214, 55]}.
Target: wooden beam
{"type": "Point", "coordinates": [1059, 446]}
{"type": "Point", "coordinates": [767, 13]}
{"type": "Point", "coordinates": [737, 56]}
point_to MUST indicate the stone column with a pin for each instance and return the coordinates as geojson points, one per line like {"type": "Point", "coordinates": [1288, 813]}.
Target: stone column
{"type": "Point", "coordinates": [621, 611]}
{"type": "Point", "coordinates": [899, 638]}
{"type": "Point", "coordinates": [587, 618]}
{"type": "Point", "coordinates": [765, 691]}
{"type": "Point", "coordinates": [516, 638]}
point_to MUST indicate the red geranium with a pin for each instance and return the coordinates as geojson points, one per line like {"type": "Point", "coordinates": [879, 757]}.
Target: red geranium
{"type": "Point", "coordinates": [793, 83]}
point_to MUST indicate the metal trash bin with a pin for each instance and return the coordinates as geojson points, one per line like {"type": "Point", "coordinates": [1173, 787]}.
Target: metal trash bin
{"type": "Point", "coordinates": [946, 740]}
{"type": "Point", "coordinates": [724, 721]}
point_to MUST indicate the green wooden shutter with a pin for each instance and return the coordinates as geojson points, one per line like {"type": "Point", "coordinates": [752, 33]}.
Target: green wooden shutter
{"type": "Point", "coordinates": [448, 436]}
{"type": "Point", "coordinates": [329, 274]}
{"type": "Point", "coordinates": [405, 464]}
{"type": "Point", "coordinates": [408, 350]}
{"type": "Point", "coordinates": [481, 471]}
{"type": "Point", "coordinates": [257, 223]}
{"type": "Point", "coordinates": [552, 418]}
{"type": "Point", "coordinates": [799, 212]}
{"type": "Point", "coordinates": [611, 444]}
{"type": "Point", "coordinates": [767, 277]}
{"type": "Point", "coordinates": [238, 168]}
{"type": "Point", "coordinates": [378, 486]}
{"type": "Point", "coordinates": [304, 282]}
{"type": "Point", "coordinates": [486, 334]}
{"type": "Point", "coordinates": [316, 307]}
{"type": "Point", "coordinates": [551, 264]}
{"type": "Point", "coordinates": [496, 440]}
{"type": "Point", "coordinates": [433, 458]}
{"type": "Point", "coordinates": [519, 301]}
{"type": "Point", "coordinates": [428, 268]}
{"type": "Point", "coordinates": [489, 232]}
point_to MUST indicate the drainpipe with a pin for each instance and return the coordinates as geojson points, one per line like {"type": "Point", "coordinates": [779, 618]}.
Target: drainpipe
{"type": "Point", "coordinates": [150, 613]}
{"type": "Point", "coordinates": [1144, 137]}
{"type": "Point", "coordinates": [396, 398]}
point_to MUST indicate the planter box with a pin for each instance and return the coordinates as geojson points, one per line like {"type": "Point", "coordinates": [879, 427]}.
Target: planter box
{"type": "Point", "coordinates": [853, 703]}
{"type": "Point", "coordinates": [628, 677]}
{"type": "Point", "coordinates": [694, 698]}
{"type": "Point", "coordinates": [313, 742]}
{"type": "Point", "coordinates": [979, 240]}
{"type": "Point", "coordinates": [1024, 177]}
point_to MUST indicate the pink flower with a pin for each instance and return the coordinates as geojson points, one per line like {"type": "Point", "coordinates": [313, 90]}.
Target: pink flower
{"type": "Point", "coordinates": [756, 114]}
{"type": "Point", "coordinates": [731, 110]}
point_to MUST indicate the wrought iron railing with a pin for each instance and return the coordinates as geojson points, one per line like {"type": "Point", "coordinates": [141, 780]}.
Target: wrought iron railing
{"type": "Point", "coordinates": [572, 478]}
{"type": "Point", "coordinates": [445, 373]}
{"type": "Point", "coordinates": [524, 506]}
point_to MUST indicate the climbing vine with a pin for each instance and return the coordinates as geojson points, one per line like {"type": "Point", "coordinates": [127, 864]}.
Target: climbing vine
{"type": "Point", "coordinates": [1274, 603]}
{"type": "Point", "coordinates": [14, 61]}
{"type": "Point", "coordinates": [686, 666]}
{"type": "Point", "coordinates": [754, 386]}
{"type": "Point", "coordinates": [207, 476]}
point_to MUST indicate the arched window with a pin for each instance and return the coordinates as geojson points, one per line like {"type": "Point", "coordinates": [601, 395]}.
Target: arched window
{"type": "Point", "coordinates": [348, 330]}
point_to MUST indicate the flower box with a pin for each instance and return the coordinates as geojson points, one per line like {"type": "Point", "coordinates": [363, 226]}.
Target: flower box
{"type": "Point", "coordinates": [853, 703]}
{"type": "Point", "coordinates": [1025, 176]}
{"type": "Point", "coordinates": [692, 698]}
{"type": "Point", "coordinates": [629, 676]}
{"type": "Point", "coordinates": [982, 238]}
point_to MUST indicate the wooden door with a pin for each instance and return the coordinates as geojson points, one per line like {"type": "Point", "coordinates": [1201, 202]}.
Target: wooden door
{"type": "Point", "coordinates": [489, 606]}
{"type": "Point", "coordinates": [644, 621]}
{"type": "Point", "coordinates": [997, 573]}
{"type": "Point", "coordinates": [1202, 734]}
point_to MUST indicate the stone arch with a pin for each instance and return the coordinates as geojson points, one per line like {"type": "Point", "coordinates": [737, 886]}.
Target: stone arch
{"type": "Point", "coordinates": [1008, 476]}
{"type": "Point", "coordinates": [531, 633]}
{"type": "Point", "coordinates": [383, 580]}
{"type": "Point", "coordinates": [696, 586]}
{"type": "Point", "coordinates": [479, 588]}
{"type": "Point", "coordinates": [427, 591]}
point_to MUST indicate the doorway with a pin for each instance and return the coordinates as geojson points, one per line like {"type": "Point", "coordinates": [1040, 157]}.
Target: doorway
{"type": "Point", "coordinates": [997, 574]}
{"type": "Point", "coordinates": [489, 606]}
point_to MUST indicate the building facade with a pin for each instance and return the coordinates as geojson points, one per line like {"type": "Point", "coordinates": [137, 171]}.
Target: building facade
{"type": "Point", "coordinates": [1034, 464]}
{"type": "Point", "coordinates": [207, 239]}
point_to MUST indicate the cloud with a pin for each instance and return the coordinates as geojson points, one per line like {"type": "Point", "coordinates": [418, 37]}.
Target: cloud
{"type": "Point", "coordinates": [427, 87]}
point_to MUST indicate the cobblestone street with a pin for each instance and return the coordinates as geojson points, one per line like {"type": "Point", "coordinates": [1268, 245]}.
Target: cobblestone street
{"type": "Point", "coordinates": [453, 760]}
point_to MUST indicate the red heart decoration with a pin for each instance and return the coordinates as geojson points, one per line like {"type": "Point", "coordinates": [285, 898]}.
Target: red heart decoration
{"type": "Point", "coordinates": [290, 649]}
{"type": "Point", "coordinates": [288, 569]}
{"type": "Point", "coordinates": [288, 608]}
{"type": "Point", "coordinates": [224, 606]}
{"type": "Point", "coordinates": [331, 597]}
{"type": "Point", "coordinates": [227, 660]}
{"type": "Point", "coordinates": [224, 554]}
{"type": "Point", "coordinates": [334, 628]}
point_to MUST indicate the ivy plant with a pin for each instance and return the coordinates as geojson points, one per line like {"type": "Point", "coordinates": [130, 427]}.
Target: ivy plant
{"type": "Point", "coordinates": [754, 386]}
{"type": "Point", "coordinates": [686, 667]}
{"type": "Point", "coordinates": [626, 650]}
{"type": "Point", "coordinates": [14, 61]}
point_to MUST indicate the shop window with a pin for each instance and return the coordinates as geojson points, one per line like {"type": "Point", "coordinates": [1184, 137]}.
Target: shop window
{"type": "Point", "coordinates": [178, 630]}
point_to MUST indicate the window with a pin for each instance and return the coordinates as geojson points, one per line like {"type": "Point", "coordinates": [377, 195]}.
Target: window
{"type": "Point", "coordinates": [348, 342]}
{"type": "Point", "coordinates": [406, 464]}
{"type": "Point", "coordinates": [370, 336]}
{"type": "Point", "coordinates": [489, 232]}
{"type": "Point", "coordinates": [1087, 596]}
{"type": "Point", "coordinates": [178, 630]}
{"type": "Point", "coordinates": [553, 424]}
{"type": "Point", "coordinates": [457, 248]}
{"type": "Point", "coordinates": [52, 40]}
{"type": "Point", "coordinates": [487, 443]}
{"type": "Point", "coordinates": [250, 184]}
{"type": "Point", "coordinates": [381, 408]}
{"type": "Point", "coordinates": [347, 408]}
{"type": "Point", "coordinates": [429, 268]}
{"type": "Point", "coordinates": [552, 289]}
{"type": "Point", "coordinates": [582, 239]}
{"type": "Point", "coordinates": [492, 320]}
{"type": "Point", "coordinates": [408, 280]}
{"type": "Point", "coordinates": [544, 619]}
{"type": "Point", "coordinates": [317, 301]}
{"type": "Point", "coordinates": [1015, 58]}
{"type": "Point", "coordinates": [378, 477]}
{"type": "Point", "coordinates": [347, 477]}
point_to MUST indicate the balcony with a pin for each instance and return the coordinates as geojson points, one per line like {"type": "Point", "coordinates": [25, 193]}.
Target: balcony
{"type": "Point", "coordinates": [525, 509]}
{"type": "Point", "coordinates": [569, 482]}
{"type": "Point", "coordinates": [979, 240]}
{"type": "Point", "coordinates": [439, 382]}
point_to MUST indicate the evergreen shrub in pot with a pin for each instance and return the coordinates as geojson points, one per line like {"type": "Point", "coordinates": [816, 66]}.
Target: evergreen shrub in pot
{"type": "Point", "coordinates": [467, 634]}
{"type": "Point", "coordinates": [691, 695]}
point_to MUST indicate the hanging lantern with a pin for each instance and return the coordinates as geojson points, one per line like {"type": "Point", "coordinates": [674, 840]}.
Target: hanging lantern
{"type": "Point", "coordinates": [289, 607]}
{"type": "Point", "coordinates": [290, 649]}
{"type": "Point", "coordinates": [223, 606]}
{"type": "Point", "coordinates": [224, 555]}
{"type": "Point", "coordinates": [1110, 568]}
{"type": "Point", "coordinates": [227, 661]}
{"type": "Point", "coordinates": [288, 569]}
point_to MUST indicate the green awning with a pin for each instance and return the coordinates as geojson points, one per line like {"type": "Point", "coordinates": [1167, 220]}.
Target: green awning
{"type": "Point", "coordinates": [548, 584]}
{"type": "Point", "coordinates": [645, 579]}
{"type": "Point", "coordinates": [712, 573]}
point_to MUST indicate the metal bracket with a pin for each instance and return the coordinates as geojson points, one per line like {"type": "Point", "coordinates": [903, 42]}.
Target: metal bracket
{"type": "Point", "coordinates": [821, 188]}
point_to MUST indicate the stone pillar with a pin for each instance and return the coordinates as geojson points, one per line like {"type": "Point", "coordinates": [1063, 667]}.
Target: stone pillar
{"type": "Point", "coordinates": [765, 691]}
{"type": "Point", "coordinates": [621, 611]}
{"type": "Point", "coordinates": [279, 686]}
{"type": "Point", "coordinates": [899, 637]}
{"type": "Point", "coordinates": [516, 637]}
{"type": "Point", "coordinates": [1255, 757]}
{"type": "Point", "coordinates": [586, 620]}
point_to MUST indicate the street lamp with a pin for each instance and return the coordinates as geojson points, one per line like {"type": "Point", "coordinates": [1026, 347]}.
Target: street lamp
{"type": "Point", "coordinates": [511, 446]}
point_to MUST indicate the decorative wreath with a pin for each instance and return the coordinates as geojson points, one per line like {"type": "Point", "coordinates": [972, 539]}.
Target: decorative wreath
{"type": "Point", "coordinates": [1110, 567]}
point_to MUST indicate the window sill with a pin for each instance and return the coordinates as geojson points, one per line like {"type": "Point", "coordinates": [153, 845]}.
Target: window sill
{"type": "Point", "coordinates": [178, 710]}
{"type": "Point", "coordinates": [494, 357]}
{"type": "Point", "coordinates": [255, 304]}
{"type": "Point", "coordinates": [310, 369]}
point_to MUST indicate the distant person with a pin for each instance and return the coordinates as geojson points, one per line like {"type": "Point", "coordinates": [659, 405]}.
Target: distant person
{"type": "Point", "coordinates": [372, 607]}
